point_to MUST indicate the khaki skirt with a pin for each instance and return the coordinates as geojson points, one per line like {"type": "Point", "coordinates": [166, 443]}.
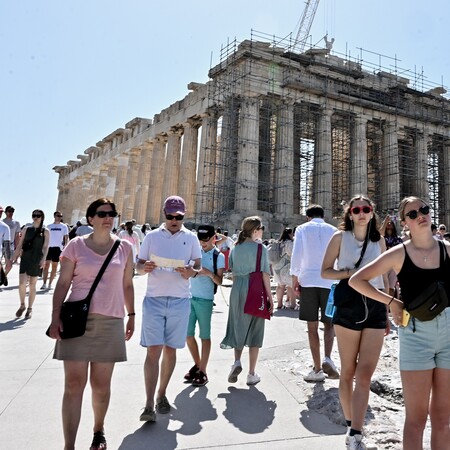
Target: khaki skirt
{"type": "Point", "coordinates": [103, 341]}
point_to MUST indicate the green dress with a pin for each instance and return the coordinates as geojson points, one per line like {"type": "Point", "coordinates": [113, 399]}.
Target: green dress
{"type": "Point", "coordinates": [30, 259]}
{"type": "Point", "coordinates": [244, 329]}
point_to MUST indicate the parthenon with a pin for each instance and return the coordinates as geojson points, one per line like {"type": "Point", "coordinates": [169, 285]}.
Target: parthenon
{"type": "Point", "coordinates": [271, 132]}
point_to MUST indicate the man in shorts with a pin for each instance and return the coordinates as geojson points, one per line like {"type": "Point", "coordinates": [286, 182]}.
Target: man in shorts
{"type": "Point", "coordinates": [170, 255]}
{"type": "Point", "coordinates": [59, 237]}
{"type": "Point", "coordinates": [14, 227]}
{"type": "Point", "coordinates": [310, 243]}
{"type": "Point", "coordinates": [203, 288]}
{"type": "Point", "coordinates": [5, 248]}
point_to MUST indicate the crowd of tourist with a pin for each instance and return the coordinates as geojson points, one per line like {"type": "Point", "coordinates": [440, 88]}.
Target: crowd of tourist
{"type": "Point", "coordinates": [384, 266]}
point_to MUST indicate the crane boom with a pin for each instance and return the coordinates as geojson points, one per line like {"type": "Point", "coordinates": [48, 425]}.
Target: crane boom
{"type": "Point", "coordinates": [305, 24]}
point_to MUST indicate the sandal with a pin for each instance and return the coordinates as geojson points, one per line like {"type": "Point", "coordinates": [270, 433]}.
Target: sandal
{"type": "Point", "coordinates": [200, 379]}
{"type": "Point", "coordinates": [99, 441]}
{"type": "Point", "coordinates": [20, 311]}
{"type": "Point", "coordinates": [28, 314]}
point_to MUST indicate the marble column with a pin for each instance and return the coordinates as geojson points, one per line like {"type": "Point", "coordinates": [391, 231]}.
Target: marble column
{"type": "Point", "coordinates": [92, 195]}
{"type": "Point", "coordinates": [390, 171]}
{"type": "Point", "coordinates": [284, 162]}
{"type": "Point", "coordinates": [358, 158]}
{"type": "Point", "coordinates": [323, 169]}
{"type": "Point", "coordinates": [247, 158]}
{"type": "Point", "coordinates": [142, 186]}
{"type": "Point", "coordinates": [187, 184]}
{"type": "Point", "coordinates": [421, 149]}
{"type": "Point", "coordinates": [131, 184]}
{"type": "Point", "coordinates": [121, 181]}
{"type": "Point", "coordinates": [112, 178]}
{"type": "Point", "coordinates": [102, 182]}
{"type": "Point", "coordinates": [154, 201]}
{"type": "Point", "coordinates": [446, 182]}
{"type": "Point", "coordinates": [83, 197]}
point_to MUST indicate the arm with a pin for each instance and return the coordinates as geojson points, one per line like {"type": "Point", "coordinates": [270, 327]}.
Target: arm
{"type": "Point", "coordinates": [128, 291]}
{"type": "Point", "coordinates": [65, 240]}
{"type": "Point", "coordinates": [266, 281]}
{"type": "Point", "coordinates": [331, 254]}
{"type": "Point", "coordinates": [216, 278]}
{"type": "Point", "coordinates": [189, 271]}
{"type": "Point", "coordinates": [45, 248]}
{"type": "Point", "coordinates": [18, 248]}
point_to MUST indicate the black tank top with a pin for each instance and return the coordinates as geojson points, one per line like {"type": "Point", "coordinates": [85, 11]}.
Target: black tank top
{"type": "Point", "coordinates": [413, 280]}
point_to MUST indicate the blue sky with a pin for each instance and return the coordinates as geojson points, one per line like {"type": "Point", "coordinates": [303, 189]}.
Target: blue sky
{"type": "Point", "coordinates": [73, 72]}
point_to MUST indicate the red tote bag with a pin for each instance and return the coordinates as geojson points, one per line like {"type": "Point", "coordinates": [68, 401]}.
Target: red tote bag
{"type": "Point", "coordinates": [257, 302]}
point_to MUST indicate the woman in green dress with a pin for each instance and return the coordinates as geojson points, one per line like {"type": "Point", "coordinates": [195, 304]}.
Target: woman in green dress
{"type": "Point", "coordinates": [244, 329]}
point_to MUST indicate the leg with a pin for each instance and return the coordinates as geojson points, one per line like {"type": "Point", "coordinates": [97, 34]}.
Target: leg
{"type": "Point", "coordinates": [31, 291]}
{"type": "Point", "coordinates": [368, 355]}
{"type": "Point", "coordinates": [193, 348]}
{"type": "Point", "coordinates": [23, 279]}
{"type": "Point", "coordinates": [100, 378]}
{"type": "Point", "coordinates": [53, 272]}
{"type": "Point", "coordinates": [74, 383]}
{"type": "Point", "coordinates": [151, 373]}
{"type": "Point", "coordinates": [237, 354]}
{"type": "Point", "coordinates": [440, 409]}
{"type": "Point", "coordinates": [206, 350]}
{"type": "Point", "coordinates": [416, 394]}
{"type": "Point", "coordinates": [168, 362]}
{"type": "Point", "coordinates": [279, 294]}
{"type": "Point", "coordinates": [253, 358]}
{"type": "Point", "coordinates": [45, 271]}
{"type": "Point", "coordinates": [328, 337]}
{"type": "Point", "coordinates": [314, 343]}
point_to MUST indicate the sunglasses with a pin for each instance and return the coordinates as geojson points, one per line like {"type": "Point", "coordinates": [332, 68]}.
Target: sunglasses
{"type": "Point", "coordinates": [58, 215]}
{"type": "Point", "coordinates": [36, 216]}
{"type": "Point", "coordinates": [261, 228]}
{"type": "Point", "coordinates": [424, 210]}
{"type": "Point", "coordinates": [359, 209]}
{"type": "Point", "coordinates": [171, 217]}
{"type": "Point", "coordinates": [103, 214]}
{"type": "Point", "coordinates": [10, 210]}
{"type": "Point", "coordinates": [440, 229]}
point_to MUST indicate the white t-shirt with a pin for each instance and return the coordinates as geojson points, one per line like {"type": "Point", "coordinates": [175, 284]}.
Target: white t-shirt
{"type": "Point", "coordinates": [14, 227]}
{"type": "Point", "coordinates": [57, 233]}
{"type": "Point", "coordinates": [5, 234]}
{"type": "Point", "coordinates": [183, 245]}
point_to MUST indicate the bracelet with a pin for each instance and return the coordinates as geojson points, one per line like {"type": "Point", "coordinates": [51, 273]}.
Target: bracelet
{"type": "Point", "coordinates": [392, 299]}
{"type": "Point", "coordinates": [196, 273]}
{"type": "Point", "coordinates": [131, 314]}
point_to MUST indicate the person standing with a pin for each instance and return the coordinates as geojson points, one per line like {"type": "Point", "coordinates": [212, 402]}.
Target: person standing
{"type": "Point", "coordinates": [244, 329]}
{"type": "Point", "coordinates": [310, 243]}
{"type": "Point", "coordinates": [424, 350]}
{"type": "Point", "coordinates": [94, 354]}
{"type": "Point", "coordinates": [59, 237]}
{"type": "Point", "coordinates": [361, 325]}
{"type": "Point", "coordinates": [132, 237]}
{"type": "Point", "coordinates": [5, 248]}
{"type": "Point", "coordinates": [170, 255]}
{"type": "Point", "coordinates": [203, 288]}
{"type": "Point", "coordinates": [282, 268]}
{"type": "Point", "coordinates": [32, 249]}
{"type": "Point", "coordinates": [14, 227]}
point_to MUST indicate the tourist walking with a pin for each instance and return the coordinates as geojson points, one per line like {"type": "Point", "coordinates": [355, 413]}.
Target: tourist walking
{"type": "Point", "coordinates": [32, 249]}
{"type": "Point", "coordinates": [310, 244]}
{"type": "Point", "coordinates": [203, 288]}
{"type": "Point", "coordinates": [94, 354]}
{"type": "Point", "coordinates": [360, 325]}
{"type": "Point", "coordinates": [244, 330]}
{"type": "Point", "coordinates": [14, 227]}
{"type": "Point", "coordinates": [170, 255]}
{"type": "Point", "coordinates": [132, 237]}
{"type": "Point", "coordinates": [424, 344]}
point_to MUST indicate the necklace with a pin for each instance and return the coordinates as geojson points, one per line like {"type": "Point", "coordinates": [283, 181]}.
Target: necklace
{"type": "Point", "coordinates": [425, 257]}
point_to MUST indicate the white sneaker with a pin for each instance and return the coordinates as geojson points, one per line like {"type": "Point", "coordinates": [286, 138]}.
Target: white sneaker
{"type": "Point", "coordinates": [253, 379]}
{"type": "Point", "coordinates": [356, 443]}
{"type": "Point", "coordinates": [43, 287]}
{"type": "Point", "coordinates": [347, 436]}
{"type": "Point", "coordinates": [330, 369]}
{"type": "Point", "coordinates": [236, 369]}
{"type": "Point", "coordinates": [314, 377]}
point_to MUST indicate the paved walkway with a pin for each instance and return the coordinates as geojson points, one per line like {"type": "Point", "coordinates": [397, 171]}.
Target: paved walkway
{"type": "Point", "coordinates": [272, 414]}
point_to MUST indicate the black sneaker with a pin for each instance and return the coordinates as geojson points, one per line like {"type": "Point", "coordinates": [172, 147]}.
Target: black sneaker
{"type": "Point", "coordinates": [162, 405]}
{"type": "Point", "coordinates": [148, 415]}
{"type": "Point", "coordinates": [99, 441]}
{"type": "Point", "coordinates": [191, 374]}
{"type": "Point", "coordinates": [200, 379]}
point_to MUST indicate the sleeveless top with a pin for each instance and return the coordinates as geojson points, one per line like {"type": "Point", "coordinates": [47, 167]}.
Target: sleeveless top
{"type": "Point", "coordinates": [413, 280]}
{"type": "Point", "coordinates": [350, 252]}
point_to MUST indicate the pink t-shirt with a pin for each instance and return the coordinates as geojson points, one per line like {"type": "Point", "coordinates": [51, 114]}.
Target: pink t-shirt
{"type": "Point", "coordinates": [108, 299]}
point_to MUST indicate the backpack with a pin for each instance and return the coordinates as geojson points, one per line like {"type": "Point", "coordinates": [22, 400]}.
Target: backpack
{"type": "Point", "coordinates": [215, 256]}
{"type": "Point", "coordinates": [275, 252]}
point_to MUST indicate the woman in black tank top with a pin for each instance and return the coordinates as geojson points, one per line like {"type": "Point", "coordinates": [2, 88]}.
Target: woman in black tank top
{"type": "Point", "coordinates": [424, 346]}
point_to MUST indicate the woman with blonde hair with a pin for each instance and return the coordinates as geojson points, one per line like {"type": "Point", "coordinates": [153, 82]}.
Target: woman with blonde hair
{"type": "Point", "coordinates": [424, 355]}
{"type": "Point", "coordinates": [359, 325]}
{"type": "Point", "coordinates": [244, 329]}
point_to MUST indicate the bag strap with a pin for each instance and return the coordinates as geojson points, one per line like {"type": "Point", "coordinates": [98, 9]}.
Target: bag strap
{"type": "Point", "coordinates": [258, 258]}
{"type": "Point", "coordinates": [363, 250]}
{"type": "Point", "coordinates": [103, 268]}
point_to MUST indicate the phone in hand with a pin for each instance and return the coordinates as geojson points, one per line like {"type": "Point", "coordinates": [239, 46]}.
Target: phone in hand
{"type": "Point", "coordinates": [405, 318]}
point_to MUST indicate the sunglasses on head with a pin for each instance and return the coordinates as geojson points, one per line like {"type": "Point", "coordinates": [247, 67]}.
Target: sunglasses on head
{"type": "Point", "coordinates": [261, 228]}
{"type": "Point", "coordinates": [36, 216]}
{"type": "Point", "coordinates": [413, 214]}
{"type": "Point", "coordinates": [103, 214]}
{"type": "Point", "coordinates": [171, 217]}
{"type": "Point", "coordinates": [359, 209]}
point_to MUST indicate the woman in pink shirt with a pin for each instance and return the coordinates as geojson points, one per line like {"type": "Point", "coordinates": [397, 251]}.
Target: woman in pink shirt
{"type": "Point", "coordinates": [103, 343]}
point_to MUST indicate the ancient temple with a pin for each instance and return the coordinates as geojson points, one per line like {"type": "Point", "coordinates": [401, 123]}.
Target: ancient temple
{"type": "Point", "coordinates": [271, 132]}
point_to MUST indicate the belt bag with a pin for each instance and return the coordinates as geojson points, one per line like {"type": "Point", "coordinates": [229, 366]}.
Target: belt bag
{"type": "Point", "coordinates": [345, 294]}
{"type": "Point", "coordinates": [429, 303]}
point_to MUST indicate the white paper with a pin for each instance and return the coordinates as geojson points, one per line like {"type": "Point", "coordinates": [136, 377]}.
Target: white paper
{"type": "Point", "coordinates": [167, 262]}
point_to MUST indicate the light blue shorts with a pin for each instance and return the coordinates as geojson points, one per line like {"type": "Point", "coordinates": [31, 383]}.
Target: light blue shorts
{"type": "Point", "coordinates": [429, 346]}
{"type": "Point", "coordinates": [165, 321]}
{"type": "Point", "coordinates": [201, 311]}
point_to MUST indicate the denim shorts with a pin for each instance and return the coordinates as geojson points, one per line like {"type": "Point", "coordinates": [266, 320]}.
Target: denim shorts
{"type": "Point", "coordinates": [201, 311]}
{"type": "Point", "coordinates": [428, 346]}
{"type": "Point", "coordinates": [165, 321]}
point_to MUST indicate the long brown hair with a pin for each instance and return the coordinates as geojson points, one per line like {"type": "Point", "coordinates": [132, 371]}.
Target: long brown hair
{"type": "Point", "coordinates": [249, 225]}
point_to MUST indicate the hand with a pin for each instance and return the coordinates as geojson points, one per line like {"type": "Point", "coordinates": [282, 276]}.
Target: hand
{"type": "Point", "coordinates": [149, 266]}
{"type": "Point", "coordinates": [397, 311]}
{"type": "Point", "coordinates": [129, 329]}
{"type": "Point", "coordinates": [54, 330]}
{"type": "Point", "coordinates": [186, 272]}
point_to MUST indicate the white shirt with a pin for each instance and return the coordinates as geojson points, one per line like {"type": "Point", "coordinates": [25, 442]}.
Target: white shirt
{"type": "Point", "coordinates": [310, 243]}
{"type": "Point", "coordinates": [57, 232]}
{"type": "Point", "coordinates": [5, 234]}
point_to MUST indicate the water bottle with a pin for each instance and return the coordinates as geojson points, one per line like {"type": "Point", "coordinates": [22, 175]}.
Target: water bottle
{"type": "Point", "coordinates": [331, 309]}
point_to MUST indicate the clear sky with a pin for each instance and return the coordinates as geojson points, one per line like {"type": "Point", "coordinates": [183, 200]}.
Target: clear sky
{"type": "Point", "coordinates": [72, 72]}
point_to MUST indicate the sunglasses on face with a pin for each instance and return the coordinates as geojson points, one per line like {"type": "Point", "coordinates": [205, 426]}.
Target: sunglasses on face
{"type": "Point", "coordinates": [36, 216]}
{"type": "Point", "coordinates": [58, 215]}
{"type": "Point", "coordinates": [359, 209]}
{"type": "Point", "coordinates": [10, 210]}
{"type": "Point", "coordinates": [442, 229]}
{"type": "Point", "coordinates": [171, 217]}
{"type": "Point", "coordinates": [103, 214]}
{"type": "Point", "coordinates": [413, 214]}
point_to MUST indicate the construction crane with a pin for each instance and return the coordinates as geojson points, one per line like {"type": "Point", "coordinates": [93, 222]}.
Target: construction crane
{"type": "Point", "coordinates": [305, 24]}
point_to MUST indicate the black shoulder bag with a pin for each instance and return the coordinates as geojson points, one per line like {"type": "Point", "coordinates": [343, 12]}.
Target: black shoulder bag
{"type": "Point", "coordinates": [343, 293]}
{"type": "Point", "coordinates": [74, 314]}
